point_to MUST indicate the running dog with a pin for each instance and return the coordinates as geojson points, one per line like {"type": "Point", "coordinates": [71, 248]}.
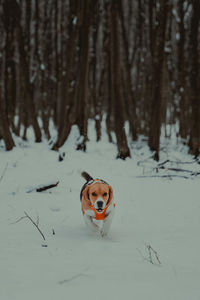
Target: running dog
{"type": "Point", "coordinates": [97, 204]}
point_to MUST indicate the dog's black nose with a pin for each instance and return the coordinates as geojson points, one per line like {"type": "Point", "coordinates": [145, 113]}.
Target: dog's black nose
{"type": "Point", "coordinates": [100, 204]}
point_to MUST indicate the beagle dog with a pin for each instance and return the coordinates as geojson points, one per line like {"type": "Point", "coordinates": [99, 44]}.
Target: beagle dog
{"type": "Point", "coordinates": [97, 204]}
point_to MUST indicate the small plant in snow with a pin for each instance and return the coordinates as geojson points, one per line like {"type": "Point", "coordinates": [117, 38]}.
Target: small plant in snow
{"type": "Point", "coordinates": [152, 256]}
{"type": "Point", "coordinates": [35, 223]}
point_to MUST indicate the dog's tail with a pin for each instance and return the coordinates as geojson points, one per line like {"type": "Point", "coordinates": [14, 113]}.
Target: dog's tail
{"type": "Point", "coordinates": [86, 176]}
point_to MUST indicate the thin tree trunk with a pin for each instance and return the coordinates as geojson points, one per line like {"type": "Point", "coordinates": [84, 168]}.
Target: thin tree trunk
{"type": "Point", "coordinates": [6, 134]}
{"type": "Point", "coordinates": [116, 84]}
{"type": "Point", "coordinates": [194, 142]}
{"type": "Point", "coordinates": [181, 73]}
{"type": "Point", "coordinates": [83, 73]}
{"type": "Point", "coordinates": [158, 60]}
{"type": "Point", "coordinates": [70, 105]}
{"type": "Point", "coordinates": [15, 8]}
{"type": "Point", "coordinates": [131, 105]}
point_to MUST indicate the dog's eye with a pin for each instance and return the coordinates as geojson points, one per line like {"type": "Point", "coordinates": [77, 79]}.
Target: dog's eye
{"type": "Point", "coordinates": [94, 194]}
{"type": "Point", "coordinates": [105, 194]}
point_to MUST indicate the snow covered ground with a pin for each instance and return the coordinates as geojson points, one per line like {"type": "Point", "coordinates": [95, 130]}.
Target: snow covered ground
{"type": "Point", "coordinates": [151, 252]}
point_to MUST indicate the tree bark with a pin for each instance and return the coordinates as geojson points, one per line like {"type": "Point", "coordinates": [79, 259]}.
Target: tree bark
{"type": "Point", "coordinates": [6, 134]}
{"type": "Point", "coordinates": [158, 60]}
{"type": "Point", "coordinates": [83, 73]}
{"type": "Point", "coordinates": [116, 84]}
{"type": "Point", "coordinates": [15, 8]}
{"type": "Point", "coordinates": [194, 142]}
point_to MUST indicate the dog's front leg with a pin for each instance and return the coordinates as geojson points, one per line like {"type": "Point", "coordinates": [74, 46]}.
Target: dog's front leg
{"type": "Point", "coordinates": [107, 222]}
{"type": "Point", "coordinates": [88, 218]}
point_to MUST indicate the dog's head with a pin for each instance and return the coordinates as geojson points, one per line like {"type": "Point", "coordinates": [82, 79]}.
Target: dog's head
{"type": "Point", "coordinates": [98, 194]}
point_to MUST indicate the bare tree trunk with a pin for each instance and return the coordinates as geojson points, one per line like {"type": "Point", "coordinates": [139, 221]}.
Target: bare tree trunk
{"type": "Point", "coordinates": [158, 59]}
{"type": "Point", "coordinates": [6, 134]}
{"type": "Point", "coordinates": [194, 142]}
{"type": "Point", "coordinates": [96, 95]}
{"type": "Point", "coordinates": [70, 105]}
{"type": "Point", "coordinates": [182, 73]}
{"type": "Point", "coordinates": [116, 84]}
{"type": "Point", "coordinates": [15, 8]}
{"type": "Point", "coordinates": [82, 120]}
{"type": "Point", "coordinates": [131, 105]}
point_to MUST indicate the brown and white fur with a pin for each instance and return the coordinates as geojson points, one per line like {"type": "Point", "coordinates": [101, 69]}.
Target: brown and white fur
{"type": "Point", "coordinates": [98, 194]}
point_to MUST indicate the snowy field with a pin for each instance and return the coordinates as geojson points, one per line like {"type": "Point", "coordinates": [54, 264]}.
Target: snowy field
{"type": "Point", "coordinates": [152, 250]}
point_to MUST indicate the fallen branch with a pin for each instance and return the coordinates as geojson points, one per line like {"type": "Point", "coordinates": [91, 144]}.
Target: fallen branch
{"type": "Point", "coordinates": [47, 187]}
{"type": "Point", "coordinates": [162, 163]}
{"type": "Point", "coordinates": [183, 170]}
{"type": "Point", "coordinates": [161, 166]}
{"type": "Point", "coordinates": [178, 170]}
{"type": "Point", "coordinates": [162, 176]}
{"type": "Point", "coordinates": [177, 162]}
{"type": "Point", "coordinates": [36, 224]}
{"type": "Point", "coordinates": [183, 162]}
{"type": "Point", "coordinates": [43, 188]}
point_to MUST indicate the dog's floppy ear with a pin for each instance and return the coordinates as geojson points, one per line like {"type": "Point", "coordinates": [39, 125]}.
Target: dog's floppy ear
{"type": "Point", "coordinates": [110, 195]}
{"type": "Point", "coordinates": [85, 194]}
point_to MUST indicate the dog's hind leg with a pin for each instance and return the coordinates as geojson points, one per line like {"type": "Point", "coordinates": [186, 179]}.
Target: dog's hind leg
{"type": "Point", "coordinates": [107, 223]}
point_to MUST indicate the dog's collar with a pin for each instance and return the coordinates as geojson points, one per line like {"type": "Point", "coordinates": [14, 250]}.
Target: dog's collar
{"type": "Point", "coordinates": [99, 216]}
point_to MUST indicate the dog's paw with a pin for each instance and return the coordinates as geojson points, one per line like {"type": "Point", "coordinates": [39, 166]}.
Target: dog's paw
{"type": "Point", "coordinates": [103, 233]}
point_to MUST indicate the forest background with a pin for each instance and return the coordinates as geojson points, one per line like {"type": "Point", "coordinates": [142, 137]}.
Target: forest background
{"type": "Point", "coordinates": [132, 62]}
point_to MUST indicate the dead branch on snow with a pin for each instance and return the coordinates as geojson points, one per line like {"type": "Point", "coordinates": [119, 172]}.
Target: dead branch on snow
{"type": "Point", "coordinates": [172, 168]}
{"type": "Point", "coordinates": [43, 188]}
{"type": "Point", "coordinates": [153, 257]}
{"type": "Point", "coordinates": [36, 224]}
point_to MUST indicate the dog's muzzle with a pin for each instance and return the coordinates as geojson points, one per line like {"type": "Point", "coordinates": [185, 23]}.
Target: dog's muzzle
{"type": "Point", "coordinates": [99, 205]}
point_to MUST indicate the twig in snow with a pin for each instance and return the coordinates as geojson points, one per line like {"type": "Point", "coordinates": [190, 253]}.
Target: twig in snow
{"type": "Point", "coordinates": [74, 277]}
{"type": "Point", "coordinates": [178, 170]}
{"type": "Point", "coordinates": [153, 257]}
{"type": "Point", "coordinates": [36, 224]}
{"type": "Point", "coordinates": [71, 278]}
{"type": "Point", "coordinates": [183, 162]}
{"type": "Point", "coordinates": [43, 188]}
{"type": "Point", "coordinates": [161, 166]}
{"type": "Point", "coordinates": [162, 163]}
{"type": "Point", "coordinates": [152, 251]}
{"type": "Point", "coordinates": [4, 171]}
{"type": "Point", "coordinates": [162, 176]}
{"type": "Point", "coordinates": [175, 162]}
